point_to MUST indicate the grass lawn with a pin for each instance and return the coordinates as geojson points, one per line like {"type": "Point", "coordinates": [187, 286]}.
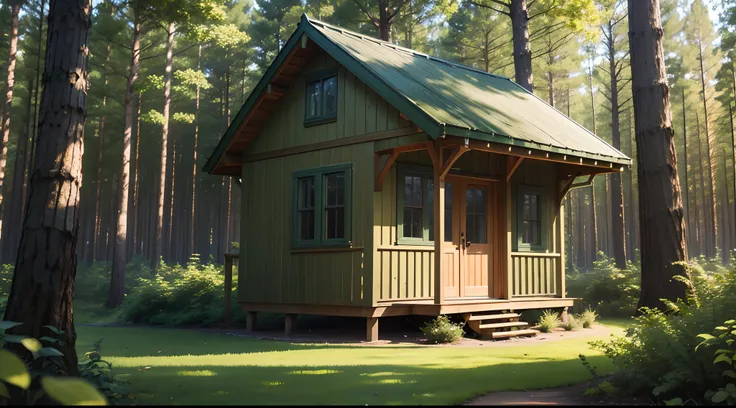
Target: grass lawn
{"type": "Point", "coordinates": [175, 366]}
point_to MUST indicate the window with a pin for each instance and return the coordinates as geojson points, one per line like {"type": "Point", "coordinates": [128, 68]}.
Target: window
{"type": "Point", "coordinates": [530, 230]}
{"type": "Point", "coordinates": [322, 206]}
{"type": "Point", "coordinates": [415, 193]}
{"type": "Point", "coordinates": [321, 103]}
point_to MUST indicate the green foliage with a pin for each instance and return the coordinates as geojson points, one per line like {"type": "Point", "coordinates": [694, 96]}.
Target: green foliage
{"type": "Point", "coordinates": [180, 295]}
{"type": "Point", "coordinates": [442, 330]}
{"type": "Point", "coordinates": [6, 280]}
{"type": "Point", "coordinates": [658, 353]}
{"type": "Point", "coordinates": [723, 340]}
{"type": "Point", "coordinates": [153, 117]}
{"type": "Point", "coordinates": [572, 323]}
{"type": "Point", "coordinates": [588, 318]}
{"type": "Point", "coordinates": [609, 291]}
{"type": "Point", "coordinates": [20, 385]}
{"type": "Point", "coordinates": [183, 117]}
{"type": "Point", "coordinates": [99, 372]}
{"type": "Point", "coordinates": [548, 321]}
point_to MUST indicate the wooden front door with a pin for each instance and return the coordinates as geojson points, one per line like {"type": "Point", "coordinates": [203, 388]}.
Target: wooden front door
{"type": "Point", "coordinates": [468, 217]}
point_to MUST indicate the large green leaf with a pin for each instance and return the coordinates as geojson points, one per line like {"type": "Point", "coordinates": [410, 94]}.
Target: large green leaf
{"type": "Point", "coordinates": [31, 344]}
{"type": "Point", "coordinates": [13, 338]}
{"type": "Point", "coordinates": [719, 397]}
{"type": "Point", "coordinates": [673, 402]}
{"type": "Point", "coordinates": [13, 370]}
{"type": "Point", "coordinates": [72, 391]}
{"type": "Point", "coordinates": [54, 329]}
{"type": "Point", "coordinates": [4, 392]}
{"type": "Point", "coordinates": [7, 324]}
{"type": "Point", "coordinates": [49, 352]}
{"type": "Point", "coordinates": [49, 339]}
{"type": "Point", "coordinates": [723, 358]}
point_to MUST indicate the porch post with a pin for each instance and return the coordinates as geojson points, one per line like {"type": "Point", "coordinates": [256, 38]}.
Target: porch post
{"type": "Point", "coordinates": [508, 246]}
{"type": "Point", "coordinates": [560, 238]}
{"type": "Point", "coordinates": [439, 227]}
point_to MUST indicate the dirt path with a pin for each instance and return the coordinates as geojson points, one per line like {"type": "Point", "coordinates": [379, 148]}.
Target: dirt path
{"type": "Point", "coordinates": [572, 395]}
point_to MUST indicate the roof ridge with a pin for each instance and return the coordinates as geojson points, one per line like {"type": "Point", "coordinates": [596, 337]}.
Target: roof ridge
{"type": "Point", "coordinates": [342, 30]}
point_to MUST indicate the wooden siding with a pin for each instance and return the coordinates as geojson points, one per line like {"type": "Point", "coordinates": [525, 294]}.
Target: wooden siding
{"type": "Point", "coordinates": [537, 272]}
{"type": "Point", "coordinates": [405, 272]}
{"type": "Point", "coordinates": [359, 111]}
{"type": "Point", "coordinates": [271, 271]}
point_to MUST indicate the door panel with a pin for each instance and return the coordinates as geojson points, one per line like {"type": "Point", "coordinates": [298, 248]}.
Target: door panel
{"type": "Point", "coordinates": [451, 242]}
{"type": "Point", "coordinates": [476, 227]}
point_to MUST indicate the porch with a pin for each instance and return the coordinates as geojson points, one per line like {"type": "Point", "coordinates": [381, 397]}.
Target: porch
{"type": "Point", "coordinates": [466, 270]}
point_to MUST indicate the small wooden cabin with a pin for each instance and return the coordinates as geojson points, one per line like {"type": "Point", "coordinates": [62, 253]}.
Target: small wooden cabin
{"type": "Point", "coordinates": [355, 154]}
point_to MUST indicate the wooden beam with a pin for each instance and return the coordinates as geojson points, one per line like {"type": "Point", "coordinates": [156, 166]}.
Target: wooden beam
{"type": "Point", "coordinates": [567, 183]}
{"type": "Point", "coordinates": [371, 329]}
{"type": "Point", "coordinates": [369, 137]}
{"type": "Point", "coordinates": [537, 154]}
{"type": "Point", "coordinates": [512, 163]}
{"type": "Point", "coordinates": [439, 227]}
{"type": "Point", "coordinates": [452, 158]}
{"type": "Point", "coordinates": [384, 170]}
{"type": "Point", "coordinates": [433, 155]}
{"type": "Point", "coordinates": [415, 147]}
{"type": "Point", "coordinates": [276, 90]}
{"type": "Point", "coordinates": [232, 159]}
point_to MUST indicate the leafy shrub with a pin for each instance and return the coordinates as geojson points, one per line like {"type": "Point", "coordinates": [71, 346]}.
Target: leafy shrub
{"type": "Point", "coordinates": [548, 321]}
{"type": "Point", "coordinates": [442, 330]}
{"type": "Point", "coordinates": [606, 289]}
{"type": "Point", "coordinates": [93, 281]}
{"type": "Point", "coordinates": [6, 280]}
{"type": "Point", "coordinates": [588, 318]}
{"type": "Point", "coordinates": [658, 353]}
{"type": "Point", "coordinates": [22, 386]}
{"type": "Point", "coordinates": [572, 323]}
{"type": "Point", "coordinates": [193, 294]}
{"type": "Point", "coordinates": [723, 340]}
{"type": "Point", "coordinates": [99, 373]}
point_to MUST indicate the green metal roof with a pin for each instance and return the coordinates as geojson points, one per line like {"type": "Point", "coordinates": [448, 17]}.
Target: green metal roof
{"type": "Point", "coordinates": [446, 98]}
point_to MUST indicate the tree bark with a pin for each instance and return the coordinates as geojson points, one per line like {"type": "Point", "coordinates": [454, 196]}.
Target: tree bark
{"type": "Point", "coordinates": [192, 218]}
{"type": "Point", "coordinates": [117, 278]}
{"type": "Point", "coordinates": [43, 281]}
{"type": "Point", "coordinates": [702, 237]}
{"type": "Point", "coordinates": [164, 146]}
{"type": "Point", "coordinates": [137, 180]}
{"type": "Point", "coordinates": [733, 150]}
{"type": "Point", "coordinates": [725, 223]}
{"type": "Point", "coordinates": [712, 230]}
{"type": "Point", "coordinates": [101, 144]}
{"type": "Point", "coordinates": [685, 190]}
{"type": "Point", "coordinates": [14, 214]}
{"type": "Point", "coordinates": [384, 20]}
{"type": "Point", "coordinates": [13, 51]}
{"type": "Point", "coordinates": [618, 243]}
{"type": "Point", "coordinates": [660, 200]}
{"type": "Point", "coordinates": [522, 47]}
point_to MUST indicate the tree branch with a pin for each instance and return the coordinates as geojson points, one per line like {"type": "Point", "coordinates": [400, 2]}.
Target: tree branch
{"type": "Point", "coordinates": [506, 13]}
{"type": "Point", "coordinates": [366, 12]}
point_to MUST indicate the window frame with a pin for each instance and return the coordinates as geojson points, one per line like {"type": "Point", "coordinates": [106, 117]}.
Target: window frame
{"type": "Point", "coordinates": [426, 173]}
{"type": "Point", "coordinates": [542, 200]}
{"type": "Point", "coordinates": [320, 76]}
{"type": "Point", "coordinates": [320, 200]}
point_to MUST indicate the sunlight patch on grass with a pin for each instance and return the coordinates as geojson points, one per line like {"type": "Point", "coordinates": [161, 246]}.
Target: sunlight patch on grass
{"type": "Point", "coordinates": [273, 383]}
{"type": "Point", "coordinates": [382, 374]}
{"type": "Point", "coordinates": [313, 372]}
{"type": "Point", "coordinates": [197, 373]}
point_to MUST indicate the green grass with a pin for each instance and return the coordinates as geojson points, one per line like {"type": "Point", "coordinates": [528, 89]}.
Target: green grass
{"type": "Point", "coordinates": [174, 366]}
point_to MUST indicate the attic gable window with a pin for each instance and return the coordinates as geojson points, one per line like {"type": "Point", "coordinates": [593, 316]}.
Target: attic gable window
{"type": "Point", "coordinates": [321, 97]}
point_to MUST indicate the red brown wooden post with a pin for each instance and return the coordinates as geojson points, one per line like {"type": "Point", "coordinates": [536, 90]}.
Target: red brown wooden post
{"type": "Point", "coordinates": [228, 288]}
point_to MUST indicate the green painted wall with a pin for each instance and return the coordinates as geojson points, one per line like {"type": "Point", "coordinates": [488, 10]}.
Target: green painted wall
{"type": "Point", "coordinates": [270, 271]}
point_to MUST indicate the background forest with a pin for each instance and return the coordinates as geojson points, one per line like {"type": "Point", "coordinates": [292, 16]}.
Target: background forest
{"type": "Point", "coordinates": [168, 76]}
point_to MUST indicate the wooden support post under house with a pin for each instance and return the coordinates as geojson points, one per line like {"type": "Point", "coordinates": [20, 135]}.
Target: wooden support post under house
{"type": "Point", "coordinates": [371, 329]}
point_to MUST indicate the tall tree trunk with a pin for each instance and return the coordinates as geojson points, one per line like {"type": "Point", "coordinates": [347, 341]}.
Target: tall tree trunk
{"type": "Point", "coordinates": [702, 233]}
{"type": "Point", "coordinates": [14, 215]}
{"type": "Point", "coordinates": [384, 20]}
{"type": "Point", "coordinates": [660, 201]}
{"type": "Point", "coordinates": [733, 156]}
{"type": "Point", "coordinates": [595, 247]}
{"type": "Point", "coordinates": [686, 192]}
{"type": "Point", "coordinates": [712, 230]}
{"type": "Point", "coordinates": [193, 215]}
{"type": "Point", "coordinates": [164, 146]}
{"type": "Point", "coordinates": [43, 281]}
{"type": "Point", "coordinates": [618, 243]}
{"type": "Point", "coordinates": [522, 48]}
{"type": "Point", "coordinates": [725, 236]}
{"type": "Point", "coordinates": [100, 150]}
{"type": "Point", "coordinates": [137, 180]}
{"type": "Point", "coordinates": [13, 50]}
{"type": "Point", "coordinates": [32, 148]}
{"type": "Point", "coordinates": [117, 278]}
{"type": "Point", "coordinates": [629, 196]}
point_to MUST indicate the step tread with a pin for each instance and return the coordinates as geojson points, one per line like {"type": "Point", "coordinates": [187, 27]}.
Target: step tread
{"type": "Point", "coordinates": [493, 316]}
{"type": "Point", "coordinates": [515, 333]}
{"type": "Point", "coordinates": [502, 325]}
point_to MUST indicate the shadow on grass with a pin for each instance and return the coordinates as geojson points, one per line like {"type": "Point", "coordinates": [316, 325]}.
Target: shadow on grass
{"type": "Point", "coordinates": [346, 384]}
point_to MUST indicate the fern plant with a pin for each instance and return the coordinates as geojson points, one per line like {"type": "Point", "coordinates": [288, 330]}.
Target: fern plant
{"type": "Point", "coordinates": [548, 321]}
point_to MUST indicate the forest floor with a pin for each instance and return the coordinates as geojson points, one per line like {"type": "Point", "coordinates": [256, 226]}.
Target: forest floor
{"type": "Point", "coordinates": [185, 366]}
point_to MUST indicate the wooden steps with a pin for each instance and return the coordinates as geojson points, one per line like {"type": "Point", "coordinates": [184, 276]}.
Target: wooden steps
{"type": "Point", "coordinates": [495, 326]}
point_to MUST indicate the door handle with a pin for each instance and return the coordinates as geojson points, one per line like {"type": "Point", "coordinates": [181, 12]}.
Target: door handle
{"type": "Point", "coordinates": [462, 240]}
{"type": "Point", "coordinates": [467, 245]}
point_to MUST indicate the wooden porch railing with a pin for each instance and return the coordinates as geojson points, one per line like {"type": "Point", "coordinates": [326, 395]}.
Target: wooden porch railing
{"type": "Point", "coordinates": [535, 274]}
